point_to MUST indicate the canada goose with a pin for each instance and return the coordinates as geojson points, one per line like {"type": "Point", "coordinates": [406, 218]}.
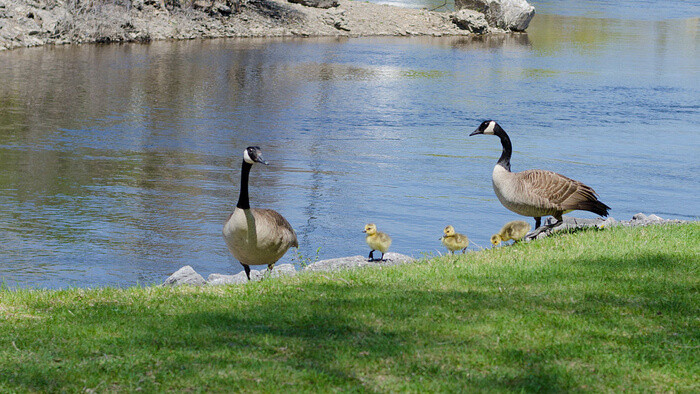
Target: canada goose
{"type": "Point", "coordinates": [256, 236]}
{"type": "Point", "coordinates": [454, 241]}
{"type": "Point", "coordinates": [514, 230]}
{"type": "Point", "coordinates": [537, 193]}
{"type": "Point", "coordinates": [376, 240]}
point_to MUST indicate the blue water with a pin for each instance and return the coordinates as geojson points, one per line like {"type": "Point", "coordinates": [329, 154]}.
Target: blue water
{"type": "Point", "coordinates": [119, 164]}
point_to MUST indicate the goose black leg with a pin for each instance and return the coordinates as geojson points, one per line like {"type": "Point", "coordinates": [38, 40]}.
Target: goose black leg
{"type": "Point", "coordinates": [538, 229]}
{"type": "Point", "coordinates": [382, 258]}
{"type": "Point", "coordinates": [371, 255]}
{"type": "Point", "coordinates": [545, 228]}
{"type": "Point", "coordinates": [247, 270]}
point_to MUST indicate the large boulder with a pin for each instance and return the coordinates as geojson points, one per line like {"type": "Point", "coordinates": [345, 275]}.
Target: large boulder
{"type": "Point", "coordinates": [514, 15]}
{"type": "Point", "coordinates": [471, 20]}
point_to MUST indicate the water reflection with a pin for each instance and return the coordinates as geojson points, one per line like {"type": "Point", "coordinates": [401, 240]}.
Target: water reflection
{"type": "Point", "coordinates": [120, 163]}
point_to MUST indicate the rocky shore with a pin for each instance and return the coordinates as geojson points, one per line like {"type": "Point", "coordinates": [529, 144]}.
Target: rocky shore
{"type": "Point", "coordinates": [188, 276]}
{"type": "Point", "coordinates": [27, 23]}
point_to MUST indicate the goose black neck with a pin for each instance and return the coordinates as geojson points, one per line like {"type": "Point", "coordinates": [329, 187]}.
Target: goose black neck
{"type": "Point", "coordinates": [243, 200]}
{"type": "Point", "coordinates": [504, 160]}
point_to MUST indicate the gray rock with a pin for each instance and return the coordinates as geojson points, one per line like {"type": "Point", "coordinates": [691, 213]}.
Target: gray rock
{"type": "Point", "coordinates": [512, 15]}
{"type": "Point", "coordinates": [240, 278]}
{"type": "Point", "coordinates": [654, 218]}
{"type": "Point", "coordinates": [283, 270]}
{"type": "Point", "coordinates": [219, 279]}
{"type": "Point", "coordinates": [639, 216]}
{"type": "Point", "coordinates": [317, 3]}
{"type": "Point", "coordinates": [343, 263]}
{"type": "Point", "coordinates": [185, 276]}
{"type": "Point", "coordinates": [471, 20]}
{"type": "Point", "coordinates": [574, 223]}
{"type": "Point", "coordinates": [609, 222]}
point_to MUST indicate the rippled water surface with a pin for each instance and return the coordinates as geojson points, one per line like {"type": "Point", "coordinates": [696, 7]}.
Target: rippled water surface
{"type": "Point", "coordinates": [120, 163]}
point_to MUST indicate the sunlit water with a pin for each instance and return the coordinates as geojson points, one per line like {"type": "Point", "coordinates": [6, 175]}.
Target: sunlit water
{"type": "Point", "coordinates": [119, 164]}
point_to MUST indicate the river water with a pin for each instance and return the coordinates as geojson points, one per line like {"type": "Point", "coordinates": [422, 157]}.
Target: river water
{"type": "Point", "coordinates": [120, 163]}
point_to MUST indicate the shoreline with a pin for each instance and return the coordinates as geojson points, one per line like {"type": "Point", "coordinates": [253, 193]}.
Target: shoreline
{"type": "Point", "coordinates": [188, 276]}
{"type": "Point", "coordinates": [25, 23]}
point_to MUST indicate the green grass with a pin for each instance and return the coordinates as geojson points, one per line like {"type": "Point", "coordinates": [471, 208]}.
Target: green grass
{"type": "Point", "coordinates": [613, 310]}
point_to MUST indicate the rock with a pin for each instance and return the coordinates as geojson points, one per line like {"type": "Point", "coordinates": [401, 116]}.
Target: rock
{"type": "Point", "coordinates": [471, 20]}
{"type": "Point", "coordinates": [185, 276]}
{"type": "Point", "coordinates": [219, 279]}
{"type": "Point", "coordinates": [203, 5]}
{"type": "Point", "coordinates": [609, 222]}
{"type": "Point", "coordinates": [574, 223]}
{"type": "Point", "coordinates": [224, 10]}
{"type": "Point", "coordinates": [351, 262]}
{"type": "Point", "coordinates": [241, 278]}
{"type": "Point", "coordinates": [283, 270]}
{"type": "Point", "coordinates": [639, 216]}
{"type": "Point", "coordinates": [317, 3]}
{"type": "Point", "coordinates": [512, 15]}
{"type": "Point", "coordinates": [655, 218]}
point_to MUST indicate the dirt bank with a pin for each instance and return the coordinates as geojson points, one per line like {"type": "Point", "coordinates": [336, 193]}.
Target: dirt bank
{"type": "Point", "coordinates": [25, 23]}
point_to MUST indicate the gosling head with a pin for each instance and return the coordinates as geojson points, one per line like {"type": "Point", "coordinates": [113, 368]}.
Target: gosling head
{"type": "Point", "coordinates": [370, 229]}
{"type": "Point", "coordinates": [496, 239]}
{"type": "Point", "coordinates": [253, 154]}
{"type": "Point", "coordinates": [488, 127]}
{"type": "Point", "coordinates": [449, 231]}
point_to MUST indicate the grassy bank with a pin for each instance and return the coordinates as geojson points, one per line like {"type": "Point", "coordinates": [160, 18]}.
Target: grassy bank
{"type": "Point", "coordinates": [605, 310]}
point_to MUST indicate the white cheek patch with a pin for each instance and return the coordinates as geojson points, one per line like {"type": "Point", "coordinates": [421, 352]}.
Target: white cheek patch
{"type": "Point", "coordinates": [489, 129]}
{"type": "Point", "coordinates": [246, 157]}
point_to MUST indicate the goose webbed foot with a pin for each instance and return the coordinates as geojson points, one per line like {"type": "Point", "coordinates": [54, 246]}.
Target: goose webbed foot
{"type": "Point", "coordinates": [382, 258]}
{"type": "Point", "coordinates": [547, 228]}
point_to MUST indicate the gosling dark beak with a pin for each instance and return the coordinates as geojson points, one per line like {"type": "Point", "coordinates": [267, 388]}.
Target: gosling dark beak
{"type": "Point", "coordinates": [475, 132]}
{"type": "Point", "coordinates": [364, 231]}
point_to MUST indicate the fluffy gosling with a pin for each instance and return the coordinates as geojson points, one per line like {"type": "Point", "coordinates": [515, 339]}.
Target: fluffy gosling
{"type": "Point", "coordinates": [514, 230]}
{"type": "Point", "coordinates": [376, 240]}
{"type": "Point", "coordinates": [454, 241]}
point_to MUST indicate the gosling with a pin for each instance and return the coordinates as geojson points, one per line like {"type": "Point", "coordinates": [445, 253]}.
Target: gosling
{"type": "Point", "coordinates": [376, 240]}
{"type": "Point", "coordinates": [514, 230]}
{"type": "Point", "coordinates": [454, 241]}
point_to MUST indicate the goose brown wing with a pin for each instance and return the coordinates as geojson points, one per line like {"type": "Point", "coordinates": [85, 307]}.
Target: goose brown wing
{"type": "Point", "coordinates": [281, 226]}
{"type": "Point", "coordinates": [552, 190]}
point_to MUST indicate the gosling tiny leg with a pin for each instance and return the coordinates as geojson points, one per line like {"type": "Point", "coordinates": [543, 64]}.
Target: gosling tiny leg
{"type": "Point", "coordinates": [371, 255]}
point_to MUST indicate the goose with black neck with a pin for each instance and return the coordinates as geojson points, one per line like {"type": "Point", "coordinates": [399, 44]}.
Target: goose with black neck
{"type": "Point", "coordinates": [256, 236]}
{"type": "Point", "coordinates": [537, 193]}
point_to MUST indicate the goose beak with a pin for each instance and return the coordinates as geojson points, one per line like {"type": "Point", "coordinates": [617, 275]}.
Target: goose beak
{"type": "Point", "coordinates": [475, 132]}
{"type": "Point", "coordinates": [260, 160]}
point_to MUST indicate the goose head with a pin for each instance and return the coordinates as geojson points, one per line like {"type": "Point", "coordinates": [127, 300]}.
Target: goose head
{"type": "Point", "coordinates": [488, 127]}
{"type": "Point", "coordinates": [253, 154]}
{"type": "Point", "coordinates": [370, 229]}
{"type": "Point", "coordinates": [449, 231]}
{"type": "Point", "coordinates": [495, 239]}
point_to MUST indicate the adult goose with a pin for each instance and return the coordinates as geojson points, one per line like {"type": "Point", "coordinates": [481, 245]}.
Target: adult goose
{"type": "Point", "coordinates": [537, 193]}
{"type": "Point", "coordinates": [256, 236]}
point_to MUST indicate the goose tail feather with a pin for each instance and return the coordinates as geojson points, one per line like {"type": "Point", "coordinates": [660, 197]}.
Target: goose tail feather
{"type": "Point", "coordinates": [594, 206]}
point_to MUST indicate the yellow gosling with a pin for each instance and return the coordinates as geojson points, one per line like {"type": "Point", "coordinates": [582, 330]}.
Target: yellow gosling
{"type": "Point", "coordinates": [514, 230]}
{"type": "Point", "coordinates": [376, 240]}
{"type": "Point", "coordinates": [454, 241]}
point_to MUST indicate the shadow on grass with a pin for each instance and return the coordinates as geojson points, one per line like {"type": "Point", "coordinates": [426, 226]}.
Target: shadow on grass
{"type": "Point", "coordinates": [347, 335]}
